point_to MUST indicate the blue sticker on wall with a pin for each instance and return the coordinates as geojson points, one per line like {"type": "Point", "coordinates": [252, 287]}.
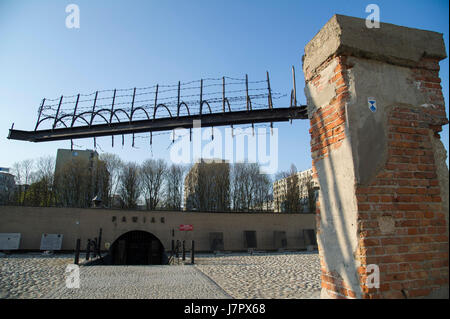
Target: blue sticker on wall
{"type": "Point", "coordinates": [372, 104]}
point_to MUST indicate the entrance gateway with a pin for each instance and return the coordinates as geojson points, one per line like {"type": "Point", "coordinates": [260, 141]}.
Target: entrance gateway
{"type": "Point", "coordinates": [137, 248]}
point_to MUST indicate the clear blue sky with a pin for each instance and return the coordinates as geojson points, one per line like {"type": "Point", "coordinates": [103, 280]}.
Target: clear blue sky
{"type": "Point", "coordinates": [122, 44]}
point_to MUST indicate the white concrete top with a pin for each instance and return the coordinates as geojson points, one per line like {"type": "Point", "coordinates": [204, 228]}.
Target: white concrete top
{"type": "Point", "coordinates": [344, 35]}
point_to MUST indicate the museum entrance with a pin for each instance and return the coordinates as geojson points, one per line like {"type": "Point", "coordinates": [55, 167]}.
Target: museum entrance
{"type": "Point", "coordinates": [137, 248]}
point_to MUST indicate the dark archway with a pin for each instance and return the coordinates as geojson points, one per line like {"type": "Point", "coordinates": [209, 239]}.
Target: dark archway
{"type": "Point", "coordinates": [137, 248]}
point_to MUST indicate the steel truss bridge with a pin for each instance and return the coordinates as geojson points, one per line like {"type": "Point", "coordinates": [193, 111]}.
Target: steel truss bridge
{"type": "Point", "coordinates": [138, 110]}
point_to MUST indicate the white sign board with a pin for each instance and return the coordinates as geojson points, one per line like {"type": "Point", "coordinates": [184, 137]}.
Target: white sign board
{"type": "Point", "coordinates": [9, 241]}
{"type": "Point", "coordinates": [51, 241]}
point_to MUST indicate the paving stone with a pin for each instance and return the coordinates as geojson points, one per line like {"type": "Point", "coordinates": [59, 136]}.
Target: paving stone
{"type": "Point", "coordinates": [263, 275]}
{"type": "Point", "coordinates": [270, 275]}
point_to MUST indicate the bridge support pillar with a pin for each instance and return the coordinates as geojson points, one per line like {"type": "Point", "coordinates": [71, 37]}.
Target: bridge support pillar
{"type": "Point", "coordinates": [376, 108]}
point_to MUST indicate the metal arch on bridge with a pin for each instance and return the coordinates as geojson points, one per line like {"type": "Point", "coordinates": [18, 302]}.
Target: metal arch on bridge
{"type": "Point", "coordinates": [162, 124]}
{"type": "Point", "coordinates": [128, 125]}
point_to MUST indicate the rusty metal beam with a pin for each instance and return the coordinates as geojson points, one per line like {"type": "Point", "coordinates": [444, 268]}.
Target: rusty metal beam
{"type": "Point", "coordinates": [162, 124]}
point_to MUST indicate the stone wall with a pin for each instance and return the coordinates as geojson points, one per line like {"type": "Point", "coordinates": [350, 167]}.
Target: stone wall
{"type": "Point", "coordinates": [75, 223]}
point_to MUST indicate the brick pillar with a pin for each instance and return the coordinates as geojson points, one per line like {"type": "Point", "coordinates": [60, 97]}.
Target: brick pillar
{"type": "Point", "coordinates": [382, 173]}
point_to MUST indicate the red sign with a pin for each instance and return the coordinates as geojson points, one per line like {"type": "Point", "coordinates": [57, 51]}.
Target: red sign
{"type": "Point", "coordinates": [186, 227]}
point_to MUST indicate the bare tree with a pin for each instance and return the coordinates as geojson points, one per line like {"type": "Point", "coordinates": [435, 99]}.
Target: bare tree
{"type": "Point", "coordinates": [42, 177]}
{"type": "Point", "coordinates": [17, 172]}
{"type": "Point", "coordinates": [27, 171]}
{"type": "Point", "coordinates": [152, 176]}
{"type": "Point", "coordinates": [129, 187]}
{"type": "Point", "coordinates": [16, 169]}
{"type": "Point", "coordinates": [262, 194]}
{"type": "Point", "coordinates": [22, 172]}
{"type": "Point", "coordinates": [114, 167]}
{"type": "Point", "coordinates": [312, 194]}
{"type": "Point", "coordinates": [45, 168]}
{"type": "Point", "coordinates": [250, 190]}
{"type": "Point", "coordinates": [27, 168]}
{"type": "Point", "coordinates": [174, 187]}
{"type": "Point", "coordinates": [79, 181]}
{"type": "Point", "coordinates": [73, 183]}
{"type": "Point", "coordinates": [43, 192]}
{"type": "Point", "coordinates": [290, 201]}
{"type": "Point", "coordinates": [238, 180]}
{"type": "Point", "coordinates": [251, 173]}
{"type": "Point", "coordinates": [209, 186]}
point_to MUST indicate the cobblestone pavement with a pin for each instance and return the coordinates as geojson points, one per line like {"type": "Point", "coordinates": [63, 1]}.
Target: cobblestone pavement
{"type": "Point", "coordinates": [136, 282]}
{"type": "Point", "coordinates": [31, 275]}
{"type": "Point", "coordinates": [38, 276]}
{"type": "Point", "coordinates": [274, 275]}
{"type": "Point", "coordinates": [271, 275]}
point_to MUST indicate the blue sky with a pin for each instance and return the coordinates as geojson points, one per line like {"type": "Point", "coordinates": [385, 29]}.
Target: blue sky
{"type": "Point", "coordinates": [124, 44]}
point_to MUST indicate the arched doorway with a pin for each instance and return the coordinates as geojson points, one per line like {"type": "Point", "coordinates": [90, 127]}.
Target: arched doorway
{"type": "Point", "coordinates": [137, 248]}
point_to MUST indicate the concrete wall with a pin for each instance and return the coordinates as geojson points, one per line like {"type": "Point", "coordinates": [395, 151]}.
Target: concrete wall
{"type": "Point", "coordinates": [74, 223]}
{"type": "Point", "coordinates": [382, 174]}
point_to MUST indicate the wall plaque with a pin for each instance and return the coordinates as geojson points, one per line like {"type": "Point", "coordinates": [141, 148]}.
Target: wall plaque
{"type": "Point", "coordinates": [9, 241]}
{"type": "Point", "coordinates": [51, 241]}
